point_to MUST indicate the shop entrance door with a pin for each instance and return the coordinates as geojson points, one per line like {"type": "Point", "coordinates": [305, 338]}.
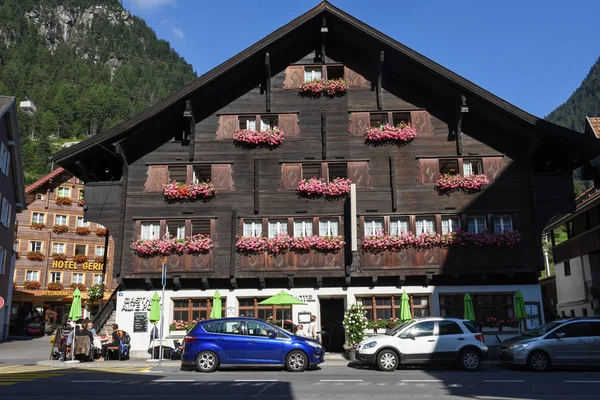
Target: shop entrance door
{"type": "Point", "coordinates": [332, 316]}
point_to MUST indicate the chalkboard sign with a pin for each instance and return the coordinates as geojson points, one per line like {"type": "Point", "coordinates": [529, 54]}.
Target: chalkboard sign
{"type": "Point", "coordinates": [140, 322]}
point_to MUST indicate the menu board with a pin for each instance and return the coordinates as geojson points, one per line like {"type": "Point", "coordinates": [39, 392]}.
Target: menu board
{"type": "Point", "coordinates": [140, 322]}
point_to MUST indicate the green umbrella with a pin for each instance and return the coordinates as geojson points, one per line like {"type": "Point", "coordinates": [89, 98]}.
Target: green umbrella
{"type": "Point", "coordinates": [520, 313]}
{"type": "Point", "coordinates": [155, 309]}
{"type": "Point", "coordinates": [405, 314]}
{"type": "Point", "coordinates": [469, 311]}
{"type": "Point", "coordinates": [75, 312]}
{"type": "Point", "coordinates": [281, 299]}
{"type": "Point", "coordinates": [216, 306]}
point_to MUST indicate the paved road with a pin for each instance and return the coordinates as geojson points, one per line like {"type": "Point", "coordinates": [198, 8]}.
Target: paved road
{"type": "Point", "coordinates": [24, 383]}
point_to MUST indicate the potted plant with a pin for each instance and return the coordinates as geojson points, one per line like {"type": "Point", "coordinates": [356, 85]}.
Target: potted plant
{"type": "Point", "coordinates": [63, 201]}
{"type": "Point", "coordinates": [32, 285]}
{"type": "Point", "coordinates": [355, 323]}
{"type": "Point", "coordinates": [38, 226]}
{"type": "Point", "coordinates": [83, 230]}
{"type": "Point", "coordinates": [80, 203]}
{"type": "Point", "coordinates": [59, 257]}
{"type": "Point", "coordinates": [100, 231]}
{"type": "Point", "coordinates": [55, 286]}
{"type": "Point", "coordinates": [59, 229]}
{"type": "Point", "coordinates": [94, 293]}
{"type": "Point", "coordinates": [99, 259]}
{"type": "Point", "coordinates": [79, 286]}
{"type": "Point", "coordinates": [35, 256]}
{"type": "Point", "coordinates": [80, 258]}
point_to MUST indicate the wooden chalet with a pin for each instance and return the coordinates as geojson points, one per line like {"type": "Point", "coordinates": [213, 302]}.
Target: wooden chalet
{"type": "Point", "coordinates": [460, 129]}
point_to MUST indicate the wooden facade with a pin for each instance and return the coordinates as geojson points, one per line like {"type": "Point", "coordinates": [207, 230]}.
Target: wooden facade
{"type": "Point", "coordinates": [524, 158]}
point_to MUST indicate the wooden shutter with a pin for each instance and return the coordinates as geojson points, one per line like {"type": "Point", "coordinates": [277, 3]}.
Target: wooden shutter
{"type": "Point", "coordinates": [288, 123]}
{"type": "Point", "coordinates": [421, 121]}
{"type": "Point", "coordinates": [221, 176]}
{"type": "Point", "coordinates": [359, 123]}
{"type": "Point", "coordinates": [178, 173]}
{"type": "Point", "coordinates": [430, 170]}
{"type": "Point", "coordinates": [492, 167]}
{"type": "Point", "coordinates": [201, 227]}
{"type": "Point", "coordinates": [358, 172]}
{"type": "Point", "coordinates": [354, 79]}
{"type": "Point", "coordinates": [157, 176]}
{"type": "Point", "coordinates": [294, 77]}
{"type": "Point", "coordinates": [228, 126]}
{"type": "Point", "coordinates": [291, 174]}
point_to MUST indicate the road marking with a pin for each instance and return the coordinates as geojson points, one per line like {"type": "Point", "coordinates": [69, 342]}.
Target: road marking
{"type": "Point", "coordinates": [256, 380]}
{"type": "Point", "coordinates": [146, 369]}
{"type": "Point", "coordinates": [132, 383]}
{"type": "Point", "coordinates": [582, 381]}
{"type": "Point", "coordinates": [198, 383]}
{"type": "Point", "coordinates": [92, 381]}
{"type": "Point", "coordinates": [422, 380]}
{"type": "Point", "coordinates": [173, 380]}
{"type": "Point", "coordinates": [382, 384]}
{"type": "Point", "coordinates": [503, 381]}
{"type": "Point", "coordinates": [341, 380]}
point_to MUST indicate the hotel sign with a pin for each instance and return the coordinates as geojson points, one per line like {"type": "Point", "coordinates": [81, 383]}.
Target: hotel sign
{"type": "Point", "coordinates": [72, 265]}
{"type": "Point", "coordinates": [56, 293]}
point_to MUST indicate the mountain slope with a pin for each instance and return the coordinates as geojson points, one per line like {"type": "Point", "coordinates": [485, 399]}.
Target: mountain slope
{"type": "Point", "coordinates": [86, 64]}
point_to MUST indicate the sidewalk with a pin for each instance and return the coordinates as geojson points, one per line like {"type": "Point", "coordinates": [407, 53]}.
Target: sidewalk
{"type": "Point", "coordinates": [24, 350]}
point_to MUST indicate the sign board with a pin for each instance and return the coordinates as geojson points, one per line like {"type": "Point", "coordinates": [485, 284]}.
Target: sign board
{"type": "Point", "coordinates": [304, 317]}
{"type": "Point", "coordinates": [73, 265]}
{"type": "Point", "coordinates": [164, 274]}
{"type": "Point", "coordinates": [230, 312]}
{"type": "Point", "coordinates": [533, 319]}
{"type": "Point", "coordinates": [1, 302]}
{"type": "Point", "coordinates": [140, 322]}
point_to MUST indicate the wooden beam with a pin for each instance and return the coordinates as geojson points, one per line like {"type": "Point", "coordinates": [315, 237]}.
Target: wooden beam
{"type": "Point", "coordinates": [374, 281]}
{"type": "Point", "coordinates": [261, 282]}
{"type": "Point", "coordinates": [464, 109]}
{"type": "Point", "coordinates": [324, 31]}
{"type": "Point", "coordinates": [205, 283]}
{"type": "Point", "coordinates": [401, 280]}
{"type": "Point", "coordinates": [428, 278]}
{"type": "Point", "coordinates": [319, 281]}
{"type": "Point", "coordinates": [393, 183]}
{"type": "Point", "coordinates": [379, 80]}
{"type": "Point", "coordinates": [123, 201]}
{"type": "Point", "coordinates": [177, 283]}
{"type": "Point", "coordinates": [348, 281]}
{"type": "Point", "coordinates": [84, 170]}
{"type": "Point", "coordinates": [234, 223]}
{"type": "Point", "coordinates": [324, 135]}
{"type": "Point", "coordinates": [148, 283]}
{"type": "Point", "coordinates": [290, 282]}
{"type": "Point", "coordinates": [268, 81]}
{"type": "Point", "coordinates": [190, 128]}
{"type": "Point", "coordinates": [256, 186]}
{"type": "Point", "coordinates": [233, 282]}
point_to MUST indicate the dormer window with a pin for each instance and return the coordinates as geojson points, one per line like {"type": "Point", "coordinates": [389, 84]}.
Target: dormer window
{"type": "Point", "coordinates": [472, 167]}
{"type": "Point", "coordinates": [268, 122]}
{"type": "Point", "coordinates": [449, 166]}
{"type": "Point", "coordinates": [202, 173]}
{"type": "Point", "coordinates": [312, 73]}
{"type": "Point", "coordinates": [248, 122]}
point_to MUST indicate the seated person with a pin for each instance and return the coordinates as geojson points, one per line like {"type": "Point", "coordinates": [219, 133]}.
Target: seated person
{"type": "Point", "coordinates": [81, 333]}
{"type": "Point", "coordinates": [114, 340]}
{"type": "Point", "coordinates": [90, 327]}
{"type": "Point", "coordinates": [300, 331]}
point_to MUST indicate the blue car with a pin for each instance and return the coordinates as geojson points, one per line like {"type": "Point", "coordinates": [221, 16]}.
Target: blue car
{"type": "Point", "coordinates": [247, 341]}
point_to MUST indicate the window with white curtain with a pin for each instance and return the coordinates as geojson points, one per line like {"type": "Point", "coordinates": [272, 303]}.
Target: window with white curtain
{"type": "Point", "coordinates": [267, 123]}
{"type": "Point", "coordinates": [150, 230]}
{"type": "Point", "coordinates": [60, 219]}
{"type": "Point", "coordinates": [38, 218]}
{"type": "Point", "coordinates": [252, 228]}
{"type": "Point", "coordinates": [476, 224]}
{"type": "Point", "coordinates": [312, 74]}
{"type": "Point", "coordinates": [81, 223]}
{"type": "Point", "coordinates": [425, 225]}
{"type": "Point", "coordinates": [64, 192]}
{"type": "Point", "coordinates": [97, 279]}
{"type": "Point", "coordinates": [59, 248]}
{"type": "Point", "coordinates": [176, 229]}
{"type": "Point", "coordinates": [99, 251]}
{"type": "Point", "coordinates": [303, 228]}
{"type": "Point", "coordinates": [248, 122]}
{"type": "Point", "coordinates": [77, 278]}
{"type": "Point", "coordinates": [277, 227]}
{"type": "Point", "coordinates": [398, 226]}
{"type": "Point", "coordinates": [32, 276]}
{"type": "Point", "coordinates": [472, 167]}
{"type": "Point", "coordinates": [450, 224]}
{"type": "Point", "coordinates": [328, 227]}
{"type": "Point", "coordinates": [34, 245]}
{"type": "Point", "coordinates": [503, 223]}
{"type": "Point", "coordinates": [373, 226]}
{"type": "Point", "coordinates": [55, 277]}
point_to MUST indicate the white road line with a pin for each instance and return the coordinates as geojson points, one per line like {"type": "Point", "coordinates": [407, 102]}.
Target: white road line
{"type": "Point", "coordinates": [422, 380]}
{"type": "Point", "coordinates": [582, 381]}
{"type": "Point", "coordinates": [132, 383]}
{"type": "Point", "coordinates": [91, 381]}
{"type": "Point", "coordinates": [256, 380]}
{"type": "Point", "coordinates": [382, 384]}
{"type": "Point", "coordinates": [173, 380]}
{"type": "Point", "coordinates": [341, 380]}
{"type": "Point", "coordinates": [198, 383]}
{"type": "Point", "coordinates": [504, 381]}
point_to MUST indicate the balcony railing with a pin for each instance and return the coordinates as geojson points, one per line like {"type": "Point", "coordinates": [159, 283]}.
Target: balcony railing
{"type": "Point", "coordinates": [292, 261]}
{"type": "Point", "coordinates": [585, 243]}
{"type": "Point", "coordinates": [175, 263]}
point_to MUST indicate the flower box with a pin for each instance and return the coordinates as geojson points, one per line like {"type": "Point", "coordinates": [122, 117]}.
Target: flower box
{"type": "Point", "coordinates": [63, 201]}
{"type": "Point", "coordinates": [457, 183]}
{"type": "Point", "coordinates": [280, 244]}
{"type": "Point", "coordinates": [318, 188]}
{"type": "Point", "coordinates": [55, 286]}
{"type": "Point", "coordinates": [197, 244]}
{"type": "Point", "coordinates": [253, 139]}
{"type": "Point", "coordinates": [59, 229]}
{"type": "Point", "coordinates": [100, 231]}
{"type": "Point", "coordinates": [400, 135]}
{"type": "Point", "coordinates": [83, 230]}
{"type": "Point", "coordinates": [32, 285]}
{"type": "Point", "coordinates": [177, 192]}
{"type": "Point", "coordinates": [59, 257]}
{"type": "Point", "coordinates": [179, 327]}
{"type": "Point", "coordinates": [321, 87]}
{"type": "Point", "coordinates": [99, 259]}
{"type": "Point", "coordinates": [38, 227]}
{"type": "Point", "coordinates": [80, 258]}
{"type": "Point", "coordinates": [80, 203]}
{"type": "Point", "coordinates": [79, 286]}
{"type": "Point", "coordinates": [251, 245]}
{"type": "Point", "coordinates": [35, 256]}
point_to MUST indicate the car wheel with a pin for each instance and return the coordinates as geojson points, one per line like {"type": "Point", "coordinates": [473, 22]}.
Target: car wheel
{"type": "Point", "coordinates": [296, 361]}
{"type": "Point", "coordinates": [538, 361]}
{"type": "Point", "coordinates": [470, 360]}
{"type": "Point", "coordinates": [387, 360]}
{"type": "Point", "coordinates": [207, 361]}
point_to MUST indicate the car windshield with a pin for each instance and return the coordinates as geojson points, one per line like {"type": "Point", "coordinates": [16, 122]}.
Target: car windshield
{"type": "Point", "coordinates": [542, 330]}
{"type": "Point", "coordinates": [397, 328]}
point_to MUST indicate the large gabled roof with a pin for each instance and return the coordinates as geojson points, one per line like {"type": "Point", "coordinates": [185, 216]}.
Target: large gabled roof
{"type": "Point", "coordinates": [466, 87]}
{"type": "Point", "coordinates": [45, 179]}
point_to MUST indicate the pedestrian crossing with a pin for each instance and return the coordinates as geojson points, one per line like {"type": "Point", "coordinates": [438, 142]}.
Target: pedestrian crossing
{"type": "Point", "coordinates": [14, 374]}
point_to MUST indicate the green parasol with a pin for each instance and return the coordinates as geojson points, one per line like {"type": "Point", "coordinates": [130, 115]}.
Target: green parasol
{"type": "Point", "coordinates": [469, 311]}
{"type": "Point", "coordinates": [75, 312]}
{"type": "Point", "coordinates": [216, 306]}
{"type": "Point", "coordinates": [155, 309]}
{"type": "Point", "coordinates": [281, 299]}
{"type": "Point", "coordinates": [520, 313]}
{"type": "Point", "coordinates": [405, 314]}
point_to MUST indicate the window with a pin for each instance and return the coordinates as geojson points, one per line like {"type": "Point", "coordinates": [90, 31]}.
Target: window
{"type": "Point", "coordinates": [268, 122]}
{"type": "Point", "coordinates": [339, 170]}
{"type": "Point", "coordinates": [449, 328]}
{"type": "Point", "coordinates": [55, 277]}
{"type": "Point", "coordinates": [202, 173]}
{"type": "Point", "coordinates": [77, 278]}
{"type": "Point", "coordinates": [64, 192]}
{"type": "Point", "coordinates": [80, 194]}
{"type": "Point", "coordinates": [503, 223]}
{"type": "Point", "coordinates": [97, 279]}
{"type": "Point", "coordinates": [178, 173]}
{"type": "Point", "coordinates": [230, 327]}
{"type": "Point", "coordinates": [176, 229]}
{"type": "Point", "coordinates": [377, 120]}
{"type": "Point", "coordinates": [252, 228]}
{"type": "Point", "coordinates": [39, 196]}
{"type": "Point", "coordinates": [311, 171]}
{"type": "Point", "coordinates": [577, 329]}
{"type": "Point", "coordinates": [81, 249]}
{"type": "Point", "coordinates": [277, 227]}
{"type": "Point", "coordinates": [58, 248]}
{"type": "Point", "coordinates": [249, 307]}
{"type": "Point", "coordinates": [472, 167]}
{"type": "Point", "coordinates": [81, 223]}
{"type": "Point", "coordinates": [35, 246]}
{"type": "Point", "coordinates": [258, 329]}
{"type": "Point", "coordinates": [497, 305]}
{"type": "Point", "coordinates": [328, 227]}
{"type": "Point", "coordinates": [211, 327]}
{"type": "Point", "coordinates": [6, 213]}
{"type": "Point", "coordinates": [201, 227]}
{"type": "Point", "coordinates": [194, 309]}
{"type": "Point", "coordinates": [99, 251]}
{"type": "Point", "coordinates": [400, 118]}
{"type": "Point", "coordinates": [61, 219]}
{"type": "Point", "coordinates": [311, 74]}
{"type": "Point", "coordinates": [567, 264]}
{"type": "Point", "coordinates": [386, 307]}
{"type": "Point", "coordinates": [335, 72]}
{"type": "Point", "coordinates": [2, 259]}
{"type": "Point", "coordinates": [594, 328]}
{"type": "Point", "coordinates": [398, 226]}
{"type": "Point", "coordinates": [247, 122]}
{"type": "Point", "coordinates": [572, 313]}
{"type": "Point", "coordinates": [373, 226]}
{"type": "Point", "coordinates": [5, 159]}
{"type": "Point", "coordinates": [423, 329]}
{"type": "Point", "coordinates": [303, 228]}
{"type": "Point", "coordinates": [449, 166]}
{"type": "Point", "coordinates": [584, 312]}
{"type": "Point", "coordinates": [38, 218]}
{"type": "Point", "coordinates": [16, 246]}
{"type": "Point", "coordinates": [450, 224]}
{"type": "Point", "coordinates": [476, 224]}
{"type": "Point", "coordinates": [32, 276]}
{"type": "Point", "coordinates": [425, 225]}
{"type": "Point", "coordinates": [150, 230]}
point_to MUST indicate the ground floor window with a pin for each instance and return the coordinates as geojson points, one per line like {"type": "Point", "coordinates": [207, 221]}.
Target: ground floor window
{"type": "Point", "coordinates": [388, 307]}
{"type": "Point", "coordinates": [189, 310]}
{"type": "Point", "coordinates": [249, 307]}
{"type": "Point", "coordinates": [486, 305]}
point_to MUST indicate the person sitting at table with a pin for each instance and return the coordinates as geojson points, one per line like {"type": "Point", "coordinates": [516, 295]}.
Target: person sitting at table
{"type": "Point", "coordinates": [300, 331]}
{"type": "Point", "coordinates": [114, 340]}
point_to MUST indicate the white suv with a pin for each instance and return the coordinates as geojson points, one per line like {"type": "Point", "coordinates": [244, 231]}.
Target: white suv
{"type": "Point", "coordinates": [426, 340]}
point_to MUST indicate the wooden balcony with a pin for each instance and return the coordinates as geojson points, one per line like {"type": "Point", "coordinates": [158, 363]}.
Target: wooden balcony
{"type": "Point", "coordinates": [585, 243]}
{"type": "Point", "coordinates": [292, 262]}
{"type": "Point", "coordinates": [175, 263]}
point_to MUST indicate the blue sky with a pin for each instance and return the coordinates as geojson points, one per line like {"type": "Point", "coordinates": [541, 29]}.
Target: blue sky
{"type": "Point", "coordinates": [532, 53]}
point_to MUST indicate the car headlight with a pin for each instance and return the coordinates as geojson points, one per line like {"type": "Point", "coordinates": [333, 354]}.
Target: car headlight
{"type": "Point", "coordinates": [519, 346]}
{"type": "Point", "coordinates": [314, 344]}
{"type": "Point", "coordinates": [369, 345]}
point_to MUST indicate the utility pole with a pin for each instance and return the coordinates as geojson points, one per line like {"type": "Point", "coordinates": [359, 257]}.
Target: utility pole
{"type": "Point", "coordinates": [546, 256]}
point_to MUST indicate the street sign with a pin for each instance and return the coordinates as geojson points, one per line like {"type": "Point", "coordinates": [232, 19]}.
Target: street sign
{"type": "Point", "coordinates": [164, 274]}
{"type": "Point", "coordinates": [1, 302]}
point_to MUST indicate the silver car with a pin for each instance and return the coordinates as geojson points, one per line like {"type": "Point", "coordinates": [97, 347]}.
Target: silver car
{"type": "Point", "coordinates": [573, 342]}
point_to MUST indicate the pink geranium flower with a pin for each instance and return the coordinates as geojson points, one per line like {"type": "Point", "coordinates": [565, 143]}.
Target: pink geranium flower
{"type": "Point", "coordinates": [457, 183]}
